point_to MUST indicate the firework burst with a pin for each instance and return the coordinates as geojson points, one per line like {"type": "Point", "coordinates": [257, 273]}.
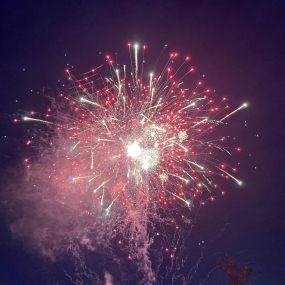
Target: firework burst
{"type": "Point", "coordinates": [127, 145]}
{"type": "Point", "coordinates": [130, 137]}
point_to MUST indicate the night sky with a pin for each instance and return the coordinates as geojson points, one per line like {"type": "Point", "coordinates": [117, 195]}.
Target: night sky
{"type": "Point", "coordinates": [239, 45]}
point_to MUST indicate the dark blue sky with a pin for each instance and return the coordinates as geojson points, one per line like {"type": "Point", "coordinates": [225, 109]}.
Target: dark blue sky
{"type": "Point", "coordinates": [241, 48]}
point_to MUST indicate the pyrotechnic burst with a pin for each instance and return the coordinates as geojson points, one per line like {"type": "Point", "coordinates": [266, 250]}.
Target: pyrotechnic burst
{"type": "Point", "coordinates": [130, 146]}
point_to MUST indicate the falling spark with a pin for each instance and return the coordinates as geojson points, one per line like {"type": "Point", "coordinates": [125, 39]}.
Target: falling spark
{"type": "Point", "coordinates": [239, 182]}
{"type": "Point", "coordinates": [244, 105]}
{"type": "Point", "coordinates": [84, 100]}
{"type": "Point", "coordinates": [101, 185]}
{"type": "Point", "coordinates": [25, 118]}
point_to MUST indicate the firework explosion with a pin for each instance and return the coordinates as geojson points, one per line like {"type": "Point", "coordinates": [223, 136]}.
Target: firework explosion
{"type": "Point", "coordinates": [129, 147]}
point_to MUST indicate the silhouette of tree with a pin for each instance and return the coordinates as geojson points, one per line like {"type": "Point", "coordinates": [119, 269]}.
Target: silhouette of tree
{"type": "Point", "coordinates": [236, 276]}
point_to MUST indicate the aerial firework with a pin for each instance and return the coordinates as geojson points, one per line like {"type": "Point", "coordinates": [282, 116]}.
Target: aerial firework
{"type": "Point", "coordinates": [129, 148]}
